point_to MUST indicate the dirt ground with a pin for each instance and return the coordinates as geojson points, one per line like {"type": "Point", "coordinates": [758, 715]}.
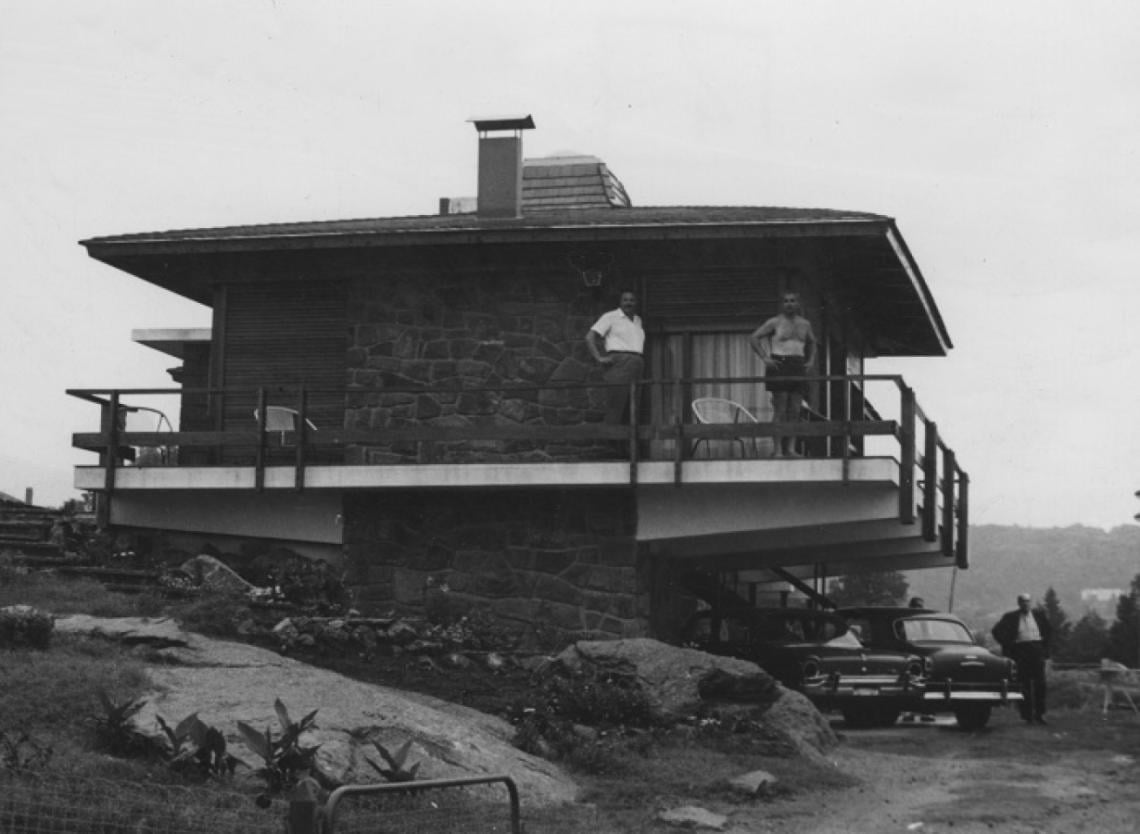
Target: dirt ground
{"type": "Point", "coordinates": [1080, 773]}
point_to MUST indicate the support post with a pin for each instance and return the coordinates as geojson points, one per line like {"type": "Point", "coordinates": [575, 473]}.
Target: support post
{"type": "Point", "coordinates": [907, 454]}
{"type": "Point", "coordinates": [259, 462]}
{"type": "Point", "coordinates": [930, 483]}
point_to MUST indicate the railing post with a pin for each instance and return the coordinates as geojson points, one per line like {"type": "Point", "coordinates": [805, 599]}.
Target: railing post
{"type": "Point", "coordinates": [302, 436]}
{"type": "Point", "coordinates": [634, 416]}
{"type": "Point", "coordinates": [930, 483]}
{"type": "Point", "coordinates": [111, 434]}
{"type": "Point", "coordinates": [679, 418]}
{"type": "Point", "coordinates": [962, 557]}
{"type": "Point", "coordinates": [259, 463]}
{"type": "Point", "coordinates": [907, 454]}
{"type": "Point", "coordinates": [949, 474]}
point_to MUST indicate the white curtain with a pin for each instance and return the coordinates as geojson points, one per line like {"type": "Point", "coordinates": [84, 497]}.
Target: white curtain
{"type": "Point", "coordinates": [712, 355]}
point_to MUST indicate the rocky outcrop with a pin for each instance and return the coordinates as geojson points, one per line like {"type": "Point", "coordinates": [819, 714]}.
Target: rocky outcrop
{"type": "Point", "coordinates": [680, 682]}
{"type": "Point", "coordinates": [672, 678]}
{"type": "Point", "coordinates": [230, 682]}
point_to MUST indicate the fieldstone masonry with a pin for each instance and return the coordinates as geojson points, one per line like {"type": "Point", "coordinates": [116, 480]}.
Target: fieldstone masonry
{"type": "Point", "coordinates": [555, 565]}
{"type": "Point", "coordinates": [471, 350]}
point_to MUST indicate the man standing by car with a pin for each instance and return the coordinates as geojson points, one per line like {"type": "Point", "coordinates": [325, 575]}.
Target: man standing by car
{"type": "Point", "coordinates": [1024, 636]}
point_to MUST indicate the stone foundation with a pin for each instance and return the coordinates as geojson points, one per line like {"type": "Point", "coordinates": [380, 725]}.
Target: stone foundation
{"type": "Point", "coordinates": [554, 565]}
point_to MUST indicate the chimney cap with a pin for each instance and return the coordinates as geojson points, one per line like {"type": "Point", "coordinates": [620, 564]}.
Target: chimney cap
{"type": "Point", "coordinates": [486, 123]}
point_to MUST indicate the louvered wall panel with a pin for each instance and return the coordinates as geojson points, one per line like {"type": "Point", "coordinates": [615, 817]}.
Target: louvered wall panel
{"type": "Point", "coordinates": [285, 335]}
{"type": "Point", "coordinates": [675, 299]}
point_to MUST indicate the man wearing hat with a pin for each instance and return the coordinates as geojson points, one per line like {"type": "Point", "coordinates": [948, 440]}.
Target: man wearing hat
{"type": "Point", "coordinates": [1024, 636]}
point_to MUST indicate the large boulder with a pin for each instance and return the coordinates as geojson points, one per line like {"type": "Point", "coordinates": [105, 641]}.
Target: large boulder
{"type": "Point", "coordinates": [679, 683]}
{"type": "Point", "coordinates": [228, 682]}
{"type": "Point", "coordinates": [214, 575]}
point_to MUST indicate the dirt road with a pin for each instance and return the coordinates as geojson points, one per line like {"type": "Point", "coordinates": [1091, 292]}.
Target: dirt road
{"type": "Point", "coordinates": [1080, 773]}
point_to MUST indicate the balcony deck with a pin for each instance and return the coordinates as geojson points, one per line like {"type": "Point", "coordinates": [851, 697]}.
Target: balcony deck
{"type": "Point", "coordinates": [909, 466]}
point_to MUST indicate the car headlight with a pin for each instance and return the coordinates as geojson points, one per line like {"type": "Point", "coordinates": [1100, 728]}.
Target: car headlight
{"type": "Point", "coordinates": [916, 669]}
{"type": "Point", "coordinates": [810, 668]}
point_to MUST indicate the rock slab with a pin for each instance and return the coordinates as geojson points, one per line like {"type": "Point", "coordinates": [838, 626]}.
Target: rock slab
{"type": "Point", "coordinates": [227, 682]}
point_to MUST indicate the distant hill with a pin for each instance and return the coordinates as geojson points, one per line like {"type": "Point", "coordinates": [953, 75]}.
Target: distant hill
{"type": "Point", "coordinates": [1005, 560]}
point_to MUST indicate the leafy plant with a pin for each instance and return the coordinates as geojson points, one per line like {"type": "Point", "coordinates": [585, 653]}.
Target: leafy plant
{"type": "Point", "coordinates": [285, 758]}
{"type": "Point", "coordinates": [115, 730]}
{"type": "Point", "coordinates": [396, 771]}
{"type": "Point", "coordinates": [197, 747]}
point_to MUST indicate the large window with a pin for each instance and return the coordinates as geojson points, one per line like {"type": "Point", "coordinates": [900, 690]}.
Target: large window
{"type": "Point", "coordinates": [708, 355]}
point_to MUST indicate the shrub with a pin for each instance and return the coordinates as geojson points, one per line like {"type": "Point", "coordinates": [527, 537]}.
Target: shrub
{"type": "Point", "coordinates": [214, 614]}
{"type": "Point", "coordinates": [562, 722]}
{"type": "Point", "coordinates": [23, 625]}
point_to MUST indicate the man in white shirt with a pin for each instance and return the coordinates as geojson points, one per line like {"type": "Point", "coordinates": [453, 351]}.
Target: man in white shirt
{"type": "Point", "coordinates": [1024, 636]}
{"type": "Point", "coordinates": [617, 341]}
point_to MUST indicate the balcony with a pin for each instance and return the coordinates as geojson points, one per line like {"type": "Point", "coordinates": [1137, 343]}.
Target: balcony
{"type": "Point", "coordinates": [337, 439]}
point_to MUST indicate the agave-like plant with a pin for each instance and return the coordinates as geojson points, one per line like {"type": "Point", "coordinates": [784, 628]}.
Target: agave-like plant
{"type": "Point", "coordinates": [115, 730]}
{"type": "Point", "coordinates": [397, 769]}
{"type": "Point", "coordinates": [284, 758]}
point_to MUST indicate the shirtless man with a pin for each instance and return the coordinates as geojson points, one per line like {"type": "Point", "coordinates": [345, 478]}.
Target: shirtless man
{"type": "Point", "coordinates": [786, 345]}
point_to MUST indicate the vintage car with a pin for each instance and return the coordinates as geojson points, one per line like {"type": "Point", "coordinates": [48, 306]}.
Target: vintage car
{"type": "Point", "coordinates": [965, 678]}
{"type": "Point", "coordinates": [816, 653]}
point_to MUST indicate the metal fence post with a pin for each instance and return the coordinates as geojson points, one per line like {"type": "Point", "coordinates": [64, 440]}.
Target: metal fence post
{"type": "Point", "coordinates": [304, 805]}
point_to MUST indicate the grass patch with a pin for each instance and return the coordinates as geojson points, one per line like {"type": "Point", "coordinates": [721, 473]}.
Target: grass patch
{"type": "Point", "coordinates": [50, 695]}
{"type": "Point", "coordinates": [63, 595]}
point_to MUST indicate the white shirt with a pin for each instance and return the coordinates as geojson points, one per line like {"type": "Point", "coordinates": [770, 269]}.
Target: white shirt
{"type": "Point", "coordinates": [620, 332]}
{"type": "Point", "coordinates": [1027, 630]}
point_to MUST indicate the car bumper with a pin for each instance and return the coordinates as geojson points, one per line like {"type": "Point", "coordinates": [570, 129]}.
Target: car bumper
{"type": "Point", "coordinates": [943, 693]}
{"type": "Point", "coordinates": [858, 687]}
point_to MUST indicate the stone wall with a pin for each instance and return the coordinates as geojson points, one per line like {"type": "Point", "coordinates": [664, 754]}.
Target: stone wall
{"type": "Point", "coordinates": [419, 345]}
{"type": "Point", "coordinates": [555, 565]}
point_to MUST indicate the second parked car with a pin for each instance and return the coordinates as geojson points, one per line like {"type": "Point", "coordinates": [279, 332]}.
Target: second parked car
{"type": "Point", "coordinates": [815, 653]}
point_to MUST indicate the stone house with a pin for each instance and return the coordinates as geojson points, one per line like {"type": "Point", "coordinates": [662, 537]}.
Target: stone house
{"type": "Point", "coordinates": [412, 398]}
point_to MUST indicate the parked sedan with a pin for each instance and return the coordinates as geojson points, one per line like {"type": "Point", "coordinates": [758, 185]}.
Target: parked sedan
{"type": "Point", "coordinates": [816, 653]}
{"type": "Point", "coordinates": [966, 678]}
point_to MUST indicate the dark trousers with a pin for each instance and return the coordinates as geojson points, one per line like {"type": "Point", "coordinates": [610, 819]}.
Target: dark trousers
{"type": "Point", "coordinates": [626, 368]}
{"type": "Point", "coordinates": [1030, 660]}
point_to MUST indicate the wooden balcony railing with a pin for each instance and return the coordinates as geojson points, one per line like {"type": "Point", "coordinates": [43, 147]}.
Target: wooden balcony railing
{"type": "Point", "coordinates": [928, 468]}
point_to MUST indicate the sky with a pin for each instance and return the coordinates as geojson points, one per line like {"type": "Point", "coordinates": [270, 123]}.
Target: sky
{"type": "Point", "coordinates": [1002, 137]}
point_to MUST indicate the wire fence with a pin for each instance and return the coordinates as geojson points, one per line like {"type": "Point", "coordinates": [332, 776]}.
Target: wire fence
{"type": "Point", "coordinates": [56, 804]}
{"type": "Point", "coordinates": [39, 804]}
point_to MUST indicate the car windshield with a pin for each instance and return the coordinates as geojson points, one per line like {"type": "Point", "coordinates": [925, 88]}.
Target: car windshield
{"type": "Point", "coordinates": [918, 630]}
{"type": "Point", "coordinates": [846, 640]}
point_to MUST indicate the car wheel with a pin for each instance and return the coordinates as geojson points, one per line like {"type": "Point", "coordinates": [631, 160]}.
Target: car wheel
{"type": "Point", "coordinates": [972, 716]}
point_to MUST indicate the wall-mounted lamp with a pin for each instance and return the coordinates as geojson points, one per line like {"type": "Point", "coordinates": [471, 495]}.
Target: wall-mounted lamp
{"type": "Point", "coordinates": [591, 266]}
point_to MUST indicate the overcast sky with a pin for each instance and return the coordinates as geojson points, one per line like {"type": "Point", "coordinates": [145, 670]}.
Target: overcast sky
{"type": "Point", "coordinates": [1003, 138]}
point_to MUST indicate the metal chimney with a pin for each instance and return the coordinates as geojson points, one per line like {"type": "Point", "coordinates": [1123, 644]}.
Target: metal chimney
{"type": "Point", "coordinates": [500, 165]}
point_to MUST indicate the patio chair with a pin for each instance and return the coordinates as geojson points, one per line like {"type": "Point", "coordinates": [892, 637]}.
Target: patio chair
{"type": "Point", "coordinates": [709, 410]}
{"type": "Point", "coordinates": [282, 420]}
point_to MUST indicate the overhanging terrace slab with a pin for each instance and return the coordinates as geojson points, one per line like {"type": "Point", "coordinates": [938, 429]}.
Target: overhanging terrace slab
{"type": "Point", "coordinates": [474, 475]}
